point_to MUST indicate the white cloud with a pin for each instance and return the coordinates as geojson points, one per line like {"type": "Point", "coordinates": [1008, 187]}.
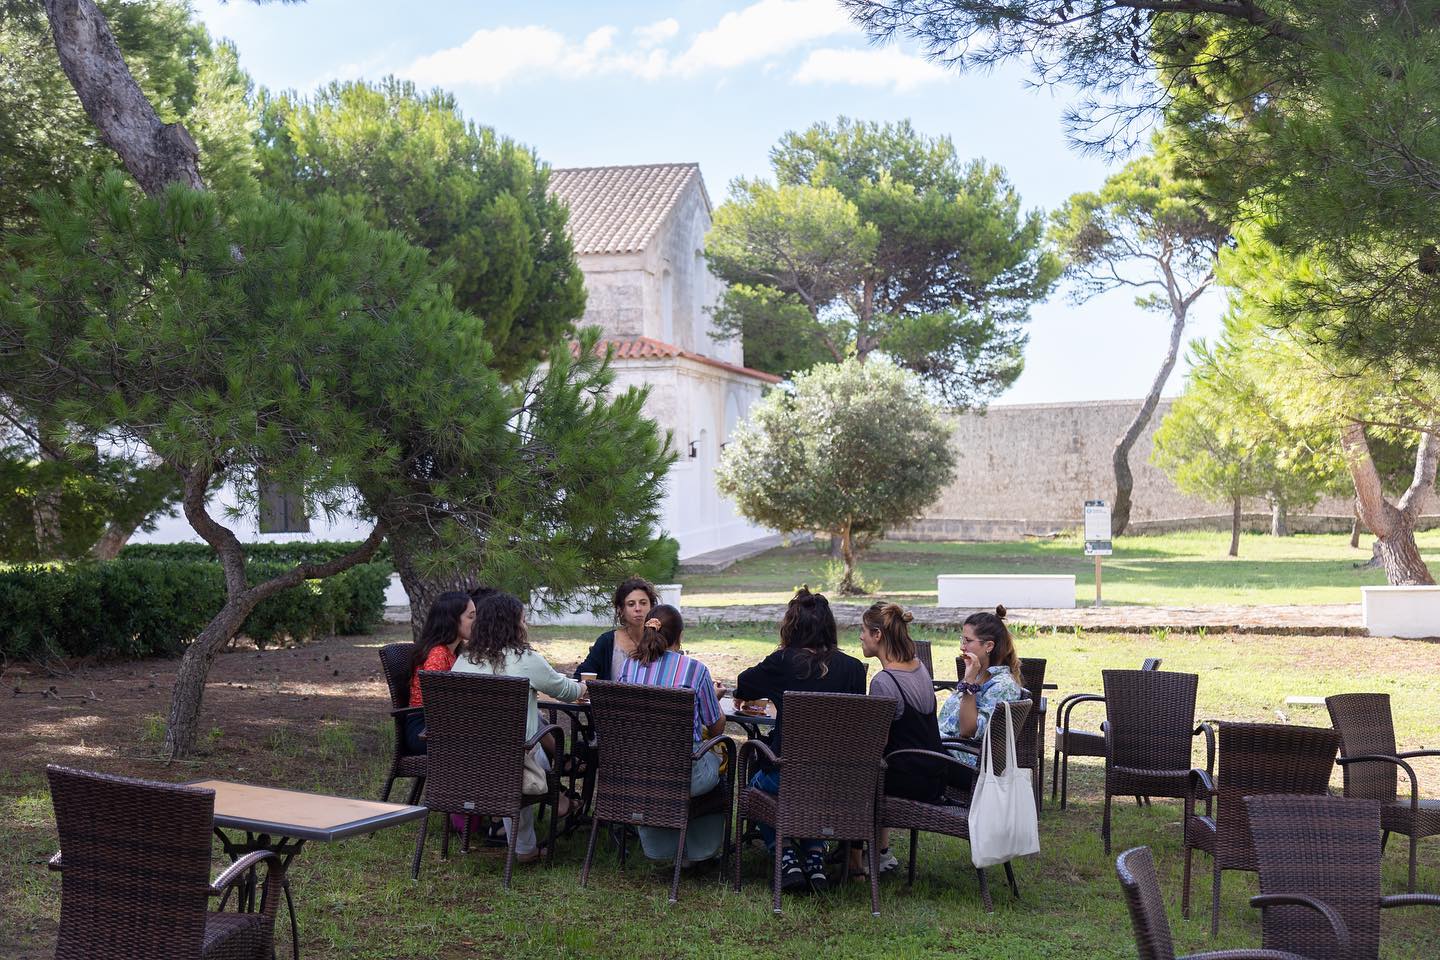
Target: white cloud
{"type": "Point", "coordinates": [762, 30]}
{"type": "Point", "coordinates": [491, 57]}
{"type": "Point", "coordinates": [883, 67]}
{"type": "Point", "coordinates": [654, 34]}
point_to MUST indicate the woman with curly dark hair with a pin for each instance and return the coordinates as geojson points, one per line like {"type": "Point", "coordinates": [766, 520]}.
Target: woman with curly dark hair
{"type": "Point", "coordinates": [499, 645]}
{"type": "Point", "coordinates": [447, 626]}
{"type": "Point", "coordinates": [634, 599]}
{"type": "Point", "coordinates": [809, 660]}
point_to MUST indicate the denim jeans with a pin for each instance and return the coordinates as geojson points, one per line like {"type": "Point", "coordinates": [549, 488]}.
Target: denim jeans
{"type": "Point", "coordinates": [769, 781]}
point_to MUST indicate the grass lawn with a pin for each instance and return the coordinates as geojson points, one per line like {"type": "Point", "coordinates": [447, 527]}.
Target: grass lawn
{"type": "Point", "coordinates": [1181, 569]}
{"type": "Point", "coordinates": [288, 717]}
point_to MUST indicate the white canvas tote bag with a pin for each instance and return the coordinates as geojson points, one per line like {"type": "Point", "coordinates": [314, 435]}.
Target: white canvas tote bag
{"type": "Point", "coordinates": [1002, 808]}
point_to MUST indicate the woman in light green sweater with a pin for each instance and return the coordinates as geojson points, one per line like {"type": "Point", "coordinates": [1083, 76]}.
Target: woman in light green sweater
{"type": "Point", "coordinates": [499, 645]}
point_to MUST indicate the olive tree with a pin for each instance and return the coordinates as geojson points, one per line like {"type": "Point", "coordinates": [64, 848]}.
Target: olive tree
{"type": "Point", "coordinates": [851, 449]}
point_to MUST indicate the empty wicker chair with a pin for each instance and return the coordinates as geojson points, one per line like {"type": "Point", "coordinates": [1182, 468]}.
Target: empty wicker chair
{"type": "Point", "coordinates": [830, 777]}
{"type": "Point", "coordinates": [1254, 758]}
{"type": "Point", "coordinates": [1149, 726]}
{"type": "Point", "coordinates": [952, 818]}
{"type": "Point", "coordinates": [1077, 743]}
{"type": "Point", "coordinates": [475, 732]}
{"type": "Point", "coordinates": [1136, 869]}
{"type": "Point", "coordinates": [645, 746]}
{"type": "Point", "coordinates": [134, 866]}
{"type": "Point", "coordinates": [1031, 747]}
{"type": "Point", "coordinates": [1370, 761]}
{"type": "Point", "coordinates": [923, 654]}
{"type": "Point", "coordinates": [1324, 852]}
{"type": "Point", "coordinates": [395, 663]}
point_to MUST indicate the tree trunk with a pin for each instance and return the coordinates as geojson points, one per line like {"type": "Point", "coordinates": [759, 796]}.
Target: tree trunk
{"type": "Point", "coordinates": [1279, 522]}
{"type": "Point", "coordinates": [1355, 529]}
{"type": "Point", "coordinates": [847, 586]}
{"type": "Point", "coordinates": [113, 540]}
{"type": "Point", "coordinates": [421, 590]}
{"type": "Point", "coordinates": [45, 513]}
{"type": "Point", "coordinates": [155, 153]}
{"type": "Point", "coordinates": [1393, 524]}
{"type": "Point", "coordinates": [189, 692]}
{"type": "Point", "coordinates": [1235, 528]}
{"type": "Point", "coordinates": [1120, 458]}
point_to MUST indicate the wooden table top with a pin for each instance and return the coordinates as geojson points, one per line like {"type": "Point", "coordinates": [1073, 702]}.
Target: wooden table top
{"type": "Point", "coordinates": [303, 816]}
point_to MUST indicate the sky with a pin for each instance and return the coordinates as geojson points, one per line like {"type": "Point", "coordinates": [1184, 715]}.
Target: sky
{"type": "Point", "coordinates": [718, 82]}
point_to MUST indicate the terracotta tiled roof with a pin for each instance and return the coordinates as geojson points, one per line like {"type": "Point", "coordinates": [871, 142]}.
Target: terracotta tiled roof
{"type": "Point", "coordinates": [648, 348]}
{"type": "Point", "coordinates": [620, 209]}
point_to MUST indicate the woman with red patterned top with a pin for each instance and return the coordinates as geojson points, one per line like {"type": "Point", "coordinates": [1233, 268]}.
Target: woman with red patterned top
{"type": "Point", "coordinates": [447, 626]}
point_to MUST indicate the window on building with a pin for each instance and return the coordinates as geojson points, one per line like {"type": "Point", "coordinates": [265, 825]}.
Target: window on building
{"type": "Point", "coordinates": [281, 510]}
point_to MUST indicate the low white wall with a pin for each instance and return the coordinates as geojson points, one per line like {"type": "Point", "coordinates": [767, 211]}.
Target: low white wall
{"type": "Point", "coordinates": [1401, 611]}
{"type": "Point", "coordinates": [1016, 591]}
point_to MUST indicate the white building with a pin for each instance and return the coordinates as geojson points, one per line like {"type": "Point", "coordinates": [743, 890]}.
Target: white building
{"type": "Point", "coordinates": [639, 235]}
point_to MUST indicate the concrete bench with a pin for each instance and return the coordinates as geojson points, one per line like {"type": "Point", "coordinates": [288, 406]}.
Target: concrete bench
{"type": "Point", "coordinates": [1401, 611]}
{"type": "Point", "coordinates": [1014, 590]}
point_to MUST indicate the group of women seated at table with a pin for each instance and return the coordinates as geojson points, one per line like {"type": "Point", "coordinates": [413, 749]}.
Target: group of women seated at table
{"type": "Point", "coordinates": [484, 632]}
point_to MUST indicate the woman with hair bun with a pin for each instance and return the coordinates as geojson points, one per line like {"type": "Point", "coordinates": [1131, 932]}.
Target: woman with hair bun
{"type": "Point", "coordinates": [992, 675]}
{"type": "Point", "coordinates": [658, 662]}
{"type": "Point", "coordinates": [885, 635]}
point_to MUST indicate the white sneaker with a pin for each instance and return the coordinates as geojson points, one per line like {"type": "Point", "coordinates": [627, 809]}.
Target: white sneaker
{"type": "Point", "coordinates": [887, 861]}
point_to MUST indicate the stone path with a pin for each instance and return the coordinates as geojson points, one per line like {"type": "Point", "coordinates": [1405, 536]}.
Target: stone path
{"type": "Point", "coordinates": [1329, 619]}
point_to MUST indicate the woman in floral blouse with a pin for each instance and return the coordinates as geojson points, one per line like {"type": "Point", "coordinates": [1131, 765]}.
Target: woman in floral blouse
{"type": "Point", "coordinates": [992, 675]}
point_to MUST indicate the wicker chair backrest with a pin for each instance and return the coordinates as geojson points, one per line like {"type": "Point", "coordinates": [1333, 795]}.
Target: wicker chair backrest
{"type": "Point", "coordinates": [1020, 712]}
{"type": "Point", "coordinates": [1150, 663]}
{"type": "Point", "coordinates": [395, 662]}
{"type": "Point", "coordinates": [830, 774]}
{"type": "Point", "coordinates": [924, 654]}
{"type": "Point", "coordinates": [644, 736]}
{"type": "Point", "coordinates": [1032, 675]}
{"type": "Point", "coordinates": [1366, 727]}
{"type": "Point", "coordinates": [136, 858]}
{"type": "Point", "coordinates": [1136, 869]}
{"type": "Point", "coordinates": [1150, 717]}
{"type": "Point", "coordinates": [1264, 758]}
{"type": "Point", "coordinates": [1323, 847]}
{"type": "Point", "coordinates": [475, 739]}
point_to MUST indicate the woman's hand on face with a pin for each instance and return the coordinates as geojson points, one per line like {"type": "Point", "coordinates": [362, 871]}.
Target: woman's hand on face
{"type": "Point", "coordinates": [972, 667]}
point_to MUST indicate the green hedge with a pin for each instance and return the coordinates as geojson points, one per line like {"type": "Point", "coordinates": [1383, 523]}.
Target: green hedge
{"type": "Point", "coordinates": [297, 551]}
{"type": "Point", "coordinates": [137, 608]}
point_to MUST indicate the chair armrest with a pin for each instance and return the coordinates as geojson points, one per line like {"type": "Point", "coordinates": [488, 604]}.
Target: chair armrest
{"type": "Point", "coordinates": [743, 759]}
{"type": "Point", "coordinates": [708, 745]}
{"type": "Point", "coordinates": [944, 684]}
{"type": "Point", "coordinates": [1415, 754]}
{"type": "Point", "coordinates": [1208, 729]}
{"type": "Point", "coordinates": [1337, 926]}
{"type": "Point", "coordinates": [406, 711]}
{"type": "Point", "coordinates": [1062, 712]}
{"type": "Point", "coordinates": [1202, 785]}
{"type": "Point", "coordinates": [548, 728]}
{"type": "Point", "coordinates": [1410, 900]}
{"type": "Point", "coordinates": [962, 744]}
{"type": "Point", "coordinates": [1387, 758]}
{"type": "Point", "coordinates": [239, 868]}
{"type": "Point", "coordinates": [1246, 953]}
{"type": "Point", "coordinates": [55, 862]}
{"type": "Point", "coordinates": [929, 754]}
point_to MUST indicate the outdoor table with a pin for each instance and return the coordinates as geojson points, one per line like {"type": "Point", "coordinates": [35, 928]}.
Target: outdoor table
{"type": "Point", "coordinates": [282, 820]}
{"type": "Point", "coordinates": [751, 723]}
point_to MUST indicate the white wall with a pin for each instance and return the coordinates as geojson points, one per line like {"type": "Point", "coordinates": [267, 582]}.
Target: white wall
{"type": "Point", "coordinates": [176, 529]}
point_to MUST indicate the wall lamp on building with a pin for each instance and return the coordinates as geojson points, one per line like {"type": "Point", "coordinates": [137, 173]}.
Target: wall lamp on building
{"type": "Point", "coordinates": [694, 449]}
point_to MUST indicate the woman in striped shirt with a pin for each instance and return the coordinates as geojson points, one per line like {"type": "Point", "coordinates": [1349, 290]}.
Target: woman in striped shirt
{"type": "Point", "coordinates": [658, 662]}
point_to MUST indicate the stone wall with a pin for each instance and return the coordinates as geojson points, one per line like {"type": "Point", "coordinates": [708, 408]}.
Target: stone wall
{"type": "Point", "coordinates": [1027, 470]}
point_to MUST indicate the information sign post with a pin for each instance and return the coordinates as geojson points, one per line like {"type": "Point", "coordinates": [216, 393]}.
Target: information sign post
{"type": "Point", "coordinates": [1097, 537]}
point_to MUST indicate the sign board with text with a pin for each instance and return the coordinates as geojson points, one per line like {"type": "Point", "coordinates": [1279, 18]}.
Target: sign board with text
{"type": "Point", "coordinates": [1097, 529]}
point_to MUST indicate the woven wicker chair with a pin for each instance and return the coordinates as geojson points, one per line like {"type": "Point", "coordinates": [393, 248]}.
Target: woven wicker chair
{"type": "Point", "coordinates": [1078, 743]}
{"type": "Point", "coordinates": [1370, 760]}
{"type": "Point", "coordinates": [395, 661]}
{"type": "Point", "coordinates": [644, 745]}
{"type": "Point", "coordinates": [1136, 869]}
{"type": "Point", "coordinates": [475, 732]}
{"type": "Point", "coordinates": [952, 816]}
{"type": "Point", "coordinates": [924, 655]}
{"type": "Point", "coordinates": [1031, 747]}
{"type": "Point", "coordinates": [1325, 850]}
{"type": "Point", "coordinates": [1254, 758]}
{"type": "Point", "coordinates": [1149, 725]}
{"type": "Point", "coordinates": [830, 778]}
{"type": "Point", "coordinates": [134, 867]}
